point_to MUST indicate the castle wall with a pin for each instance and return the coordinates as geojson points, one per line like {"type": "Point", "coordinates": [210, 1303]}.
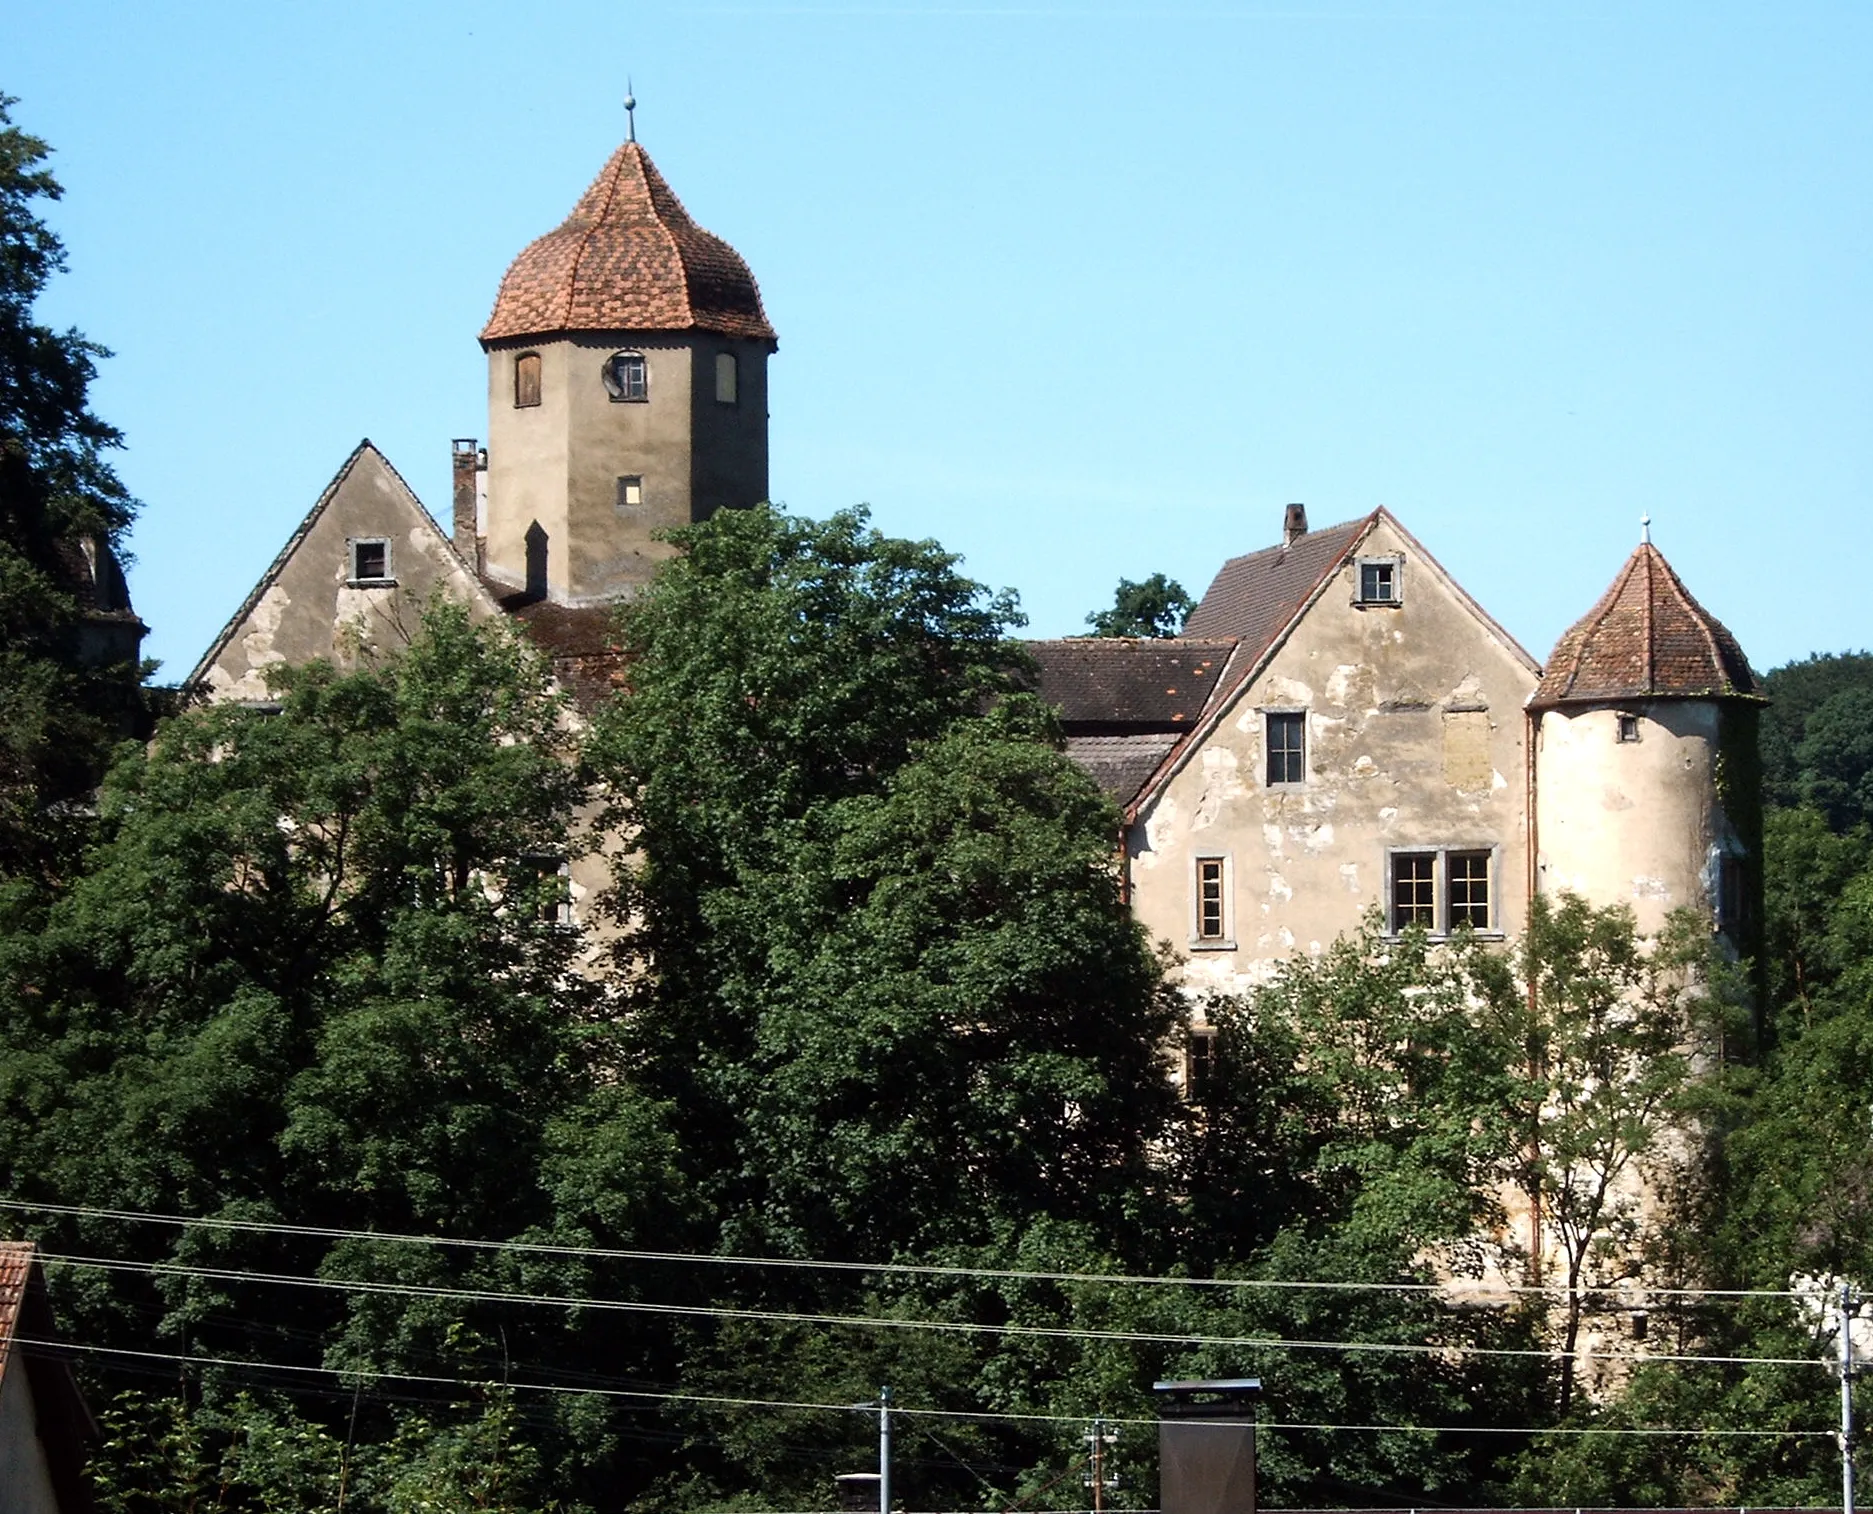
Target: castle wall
{"type": "Point", "coordinates": [1630, 822]}
{"type": "Point", "coordinates": [554, 468]}
{"type": "Point", "coordinates": [1414, 743]}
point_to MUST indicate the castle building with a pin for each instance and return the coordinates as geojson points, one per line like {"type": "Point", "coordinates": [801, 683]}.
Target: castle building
{"type": "Point", "coordinates": [1341, 729]}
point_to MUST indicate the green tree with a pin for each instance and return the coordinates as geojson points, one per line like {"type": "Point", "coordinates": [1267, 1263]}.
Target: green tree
{"type": "Point", "coordinates": [883, 975]}
{"type": "Point", "coordinates": [315, 972]}
{"type": "Point", "coordinates": [64, 702]}
{"type": "Point", "coordinates": [1157, 607]}
{"type": "Point", "coordinates": [1817, 736]}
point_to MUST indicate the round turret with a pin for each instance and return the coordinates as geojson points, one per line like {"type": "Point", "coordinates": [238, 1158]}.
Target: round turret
{"type": "Point", "coordinates": [1645, 757]}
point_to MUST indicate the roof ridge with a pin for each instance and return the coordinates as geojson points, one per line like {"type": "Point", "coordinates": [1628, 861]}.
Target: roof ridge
{"type": "Point", "coordinates": [1650, 640]}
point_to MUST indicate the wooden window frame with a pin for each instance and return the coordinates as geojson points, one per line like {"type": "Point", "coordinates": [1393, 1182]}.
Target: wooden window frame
{"type": "Point", "coordinates": [527, 381]}
{"type": "Point", "coordinates": [1212, 902]}
{"type": "Point", "coordinates": [1292, 757]}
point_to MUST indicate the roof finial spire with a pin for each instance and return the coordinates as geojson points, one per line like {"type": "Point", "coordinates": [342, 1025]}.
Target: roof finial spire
{"type": "Point", "coordinates": [630, 111]}
{"type": "Point", "coordinates": [1645, 529]}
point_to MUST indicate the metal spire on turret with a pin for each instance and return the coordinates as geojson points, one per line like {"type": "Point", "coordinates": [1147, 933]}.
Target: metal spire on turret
{"type": "Point", "coordinates": [630, 111]}
{"type": "Point", "coordinates": [1645, 530]}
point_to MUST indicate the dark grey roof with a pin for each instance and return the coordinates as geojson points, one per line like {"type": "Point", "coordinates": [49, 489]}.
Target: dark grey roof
{"type": "Point", "coordinates": [1118, 685]}
{"type": "Point", "coordinates": [1121, 764]}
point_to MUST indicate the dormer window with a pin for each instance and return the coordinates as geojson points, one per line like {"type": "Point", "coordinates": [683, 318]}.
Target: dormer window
{"type": "Point", "coordinates": [727, 379]}
{"type": "Point", "coordinates": [370, 560]}
{"type": "Point", "coordinates": [1380, 581]}
{"type": "Point", "coordinates": [526, 380]}
{"type": "Point", "coordinates": [627, 379]}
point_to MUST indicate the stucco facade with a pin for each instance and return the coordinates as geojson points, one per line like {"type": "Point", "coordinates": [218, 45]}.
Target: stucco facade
{"type": "Point", "coordinates": [582, 480]}
{"type": "Point", "coordinates": [350, 582]}
{"type": "Point", "coordinates": [1411, 743]}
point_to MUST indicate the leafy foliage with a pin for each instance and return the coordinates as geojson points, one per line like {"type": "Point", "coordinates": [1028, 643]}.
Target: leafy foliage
{"type": "Point", "coordinates": [1157, 607]}
{"type": "Point", "coordinates": [62, 706]}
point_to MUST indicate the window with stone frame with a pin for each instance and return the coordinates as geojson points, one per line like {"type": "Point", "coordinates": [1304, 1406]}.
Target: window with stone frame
{"type": "Point", "coordinates": [369, 560]}
{"type": "Point", "coordinates": [1440, 890]}
{"type": "Point", "coordinates": [727, 379]}
{"type": "Point", "coordinates": [627, 377]}
{"type": "Point", "coordinates": [1380, 581]}
{"type": "Point", "coordinates": [1285, 737]}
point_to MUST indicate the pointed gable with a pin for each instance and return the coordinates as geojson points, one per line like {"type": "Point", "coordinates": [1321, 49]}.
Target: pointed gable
{"type": "Point", "coordinates": [319, 594]}
{"type": "Point", "coordinates": [628, 258]}
{"type": "Point", "coordinates": [1647, 638]}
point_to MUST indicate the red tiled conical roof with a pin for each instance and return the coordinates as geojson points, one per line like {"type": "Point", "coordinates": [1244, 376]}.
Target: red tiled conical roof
{"type": "Point", "coordinates": [1647, 638]}
{"type": "Point", "coordinates": [628, 258]}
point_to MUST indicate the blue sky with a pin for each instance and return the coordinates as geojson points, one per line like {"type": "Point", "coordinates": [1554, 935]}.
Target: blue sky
{"type": "Point", "coordinates": [1080, 290]}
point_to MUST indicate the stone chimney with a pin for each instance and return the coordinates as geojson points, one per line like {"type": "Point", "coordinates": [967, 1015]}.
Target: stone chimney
{"type": "Point", "coordinates": [466, 462]}
{"type": "Point", "coordinates": [1294, 525]}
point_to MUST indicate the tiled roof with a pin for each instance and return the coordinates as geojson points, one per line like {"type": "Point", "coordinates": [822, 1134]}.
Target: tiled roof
{"type": "Point", "coordinates": [628, 258]}
{"type": "Point", "coordinates": [1256, 596]}
{"type": "Point", "coordinates": [1120, 764]}
{"type": "Point", "coordinates": [1647, 638]}
{"type": "Point", "coordinates": [16, 1265]}
{"type": "Point", "coordinates": [1118, 684]}
{"type": "Point", "coordinates": [578, 643]}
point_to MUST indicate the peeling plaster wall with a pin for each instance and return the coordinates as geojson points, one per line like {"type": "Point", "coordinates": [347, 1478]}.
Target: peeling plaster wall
{"type": "Point", "coordinates": [1414, 739]}
{"type": "Point", "coordinates": [312, 610]}
{"type": "Point", "coordinates": [1629, 822]}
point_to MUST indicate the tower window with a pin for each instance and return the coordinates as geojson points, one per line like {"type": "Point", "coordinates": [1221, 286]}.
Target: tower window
{"type": "Point", "coordinates": [630, 492]}
{"type": "Point", "coordinates": [626, 377]}
{"type": "Point", "coordinates": [1379, 581]}
{"type": "Point", "coordinates": [370, 560]}
{"type": "Point", "coordinates": [1286, 732]}
{"type": "Point", "coordinates": [1628, 726]}
{"type": "Point", "coordinates": [727, 379]}
{"type": "Point", "coordinates": [526, 380]}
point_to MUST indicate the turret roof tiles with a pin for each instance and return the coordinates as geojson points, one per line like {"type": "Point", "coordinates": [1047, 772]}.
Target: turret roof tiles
{"type": "Point", "coordinates": [628, 258]}
{"type": "Point", "coordinates": [1647, 638]}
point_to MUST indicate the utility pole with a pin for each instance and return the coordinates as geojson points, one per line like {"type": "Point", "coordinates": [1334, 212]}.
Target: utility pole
{"type": "Point", "coordinates": [1847, 1309]}
{"type": "Point", "coordinates": [1100, 1438]}
{"type": "Point", "coordinates": [884, 1450]}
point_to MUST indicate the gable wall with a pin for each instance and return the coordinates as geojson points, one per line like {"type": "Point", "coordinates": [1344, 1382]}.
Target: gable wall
{"type": "Point", "coordinates": [1414, 738]}
{"type": "Point", "coordinates": [310, 610]}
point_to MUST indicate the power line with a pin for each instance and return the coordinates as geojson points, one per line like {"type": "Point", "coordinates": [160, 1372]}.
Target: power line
{"type": "Point", "coordinates": [999, 1415]}
{"type": "Point", "coordinates": [917, 1269]}
{"type": "Point", "coordinates": [875, 1322]}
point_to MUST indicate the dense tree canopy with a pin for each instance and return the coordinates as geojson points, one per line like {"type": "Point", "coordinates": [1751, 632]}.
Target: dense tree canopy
{"type": "Point", "coordinates": [60, 712]}
{"type": "Point", "coordinates": [1157, 607]}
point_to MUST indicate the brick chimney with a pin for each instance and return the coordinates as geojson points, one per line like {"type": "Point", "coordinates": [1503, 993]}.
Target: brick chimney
{"type": "Point", "coordinates": [1294, 525]}
{"type": "Point", "coordinates": [465, 460]}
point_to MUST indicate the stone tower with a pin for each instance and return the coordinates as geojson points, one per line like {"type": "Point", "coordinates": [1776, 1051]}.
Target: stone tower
{"type": "Point", "coordinates": [627, 391]}
{"type": "Point", "coordinates": [1644, 738]}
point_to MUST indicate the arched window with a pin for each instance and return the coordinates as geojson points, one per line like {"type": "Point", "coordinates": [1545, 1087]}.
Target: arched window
{"type": "Point", "coordinates": [626, 377]}
{"type": "Point", "coordinates": [727, 379]}
{"type": "Point", "coordinates": [526, 380]}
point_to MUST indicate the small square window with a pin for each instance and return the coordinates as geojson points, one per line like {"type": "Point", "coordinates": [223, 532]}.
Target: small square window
{"type": "Point", "coordinates": [1469, 889]}
{"type": "Point", "coordinates": [1287, 746]}
{"type": "Point", "coordinates": [1212, 924]}
{"type": "Point", "coordinates": [727, 379]}
{"type": "Point", "coordinates": [627, 378]}
{"type": "Point", "coordinates": [526, 380]}
{"type": "Point", "coordinates": [1628, 726]}
{"type": "Point", "coordinates": [630, 492]}
{"type": "Point", "coordinates": [370, 560]}
{"type": "Point", "coordinates": [1378, 581]}
{"type": "Point", "coordinates": [1414, 890]}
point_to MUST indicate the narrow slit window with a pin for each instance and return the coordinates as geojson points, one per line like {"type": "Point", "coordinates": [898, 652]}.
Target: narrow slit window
{"type": "Point", "coordinates": [1287, 753]}
{"type": "Point", "coordinates": [1414, 890]}
{"type": "Point", "coordinates": [526, 380]}
{"type": "Point", "coordinates": [727, 379]}
{"type": "Point", "coordinates": [1469, 889]}
{"type": "Point", "coordinates": [1210, 915]}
